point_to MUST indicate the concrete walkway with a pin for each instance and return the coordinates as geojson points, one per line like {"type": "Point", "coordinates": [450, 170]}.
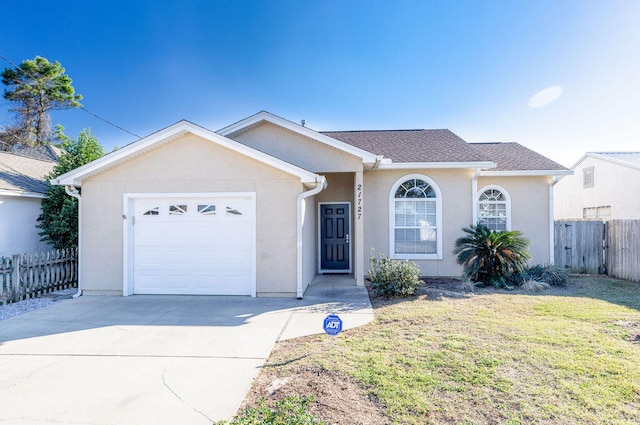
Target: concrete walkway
{"type": "Point", "coordinates": [159, 360]}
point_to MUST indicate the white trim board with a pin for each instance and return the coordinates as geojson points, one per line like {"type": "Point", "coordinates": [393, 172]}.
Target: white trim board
{"type": "Point", "coordinates": [75, 177]}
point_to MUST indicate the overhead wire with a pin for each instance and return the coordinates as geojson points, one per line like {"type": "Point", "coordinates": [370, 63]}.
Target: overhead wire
{"type": "Point", "coordinates": [81, 107]}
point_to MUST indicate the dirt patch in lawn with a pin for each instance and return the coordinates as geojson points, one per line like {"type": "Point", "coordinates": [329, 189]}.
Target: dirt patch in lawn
{"type": "Point", "coordinates": [338, 399]}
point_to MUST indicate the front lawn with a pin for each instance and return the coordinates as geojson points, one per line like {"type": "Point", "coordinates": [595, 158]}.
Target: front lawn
{"type": "Point", "coordinates": [446, 356]}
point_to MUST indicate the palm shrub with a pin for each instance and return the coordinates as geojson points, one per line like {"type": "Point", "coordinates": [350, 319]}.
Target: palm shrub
{"type": "Point", "coordinates": [548, 273]}
{"type": "Point", "coordinates": [490, 257]}
{"type": "Point", "coordinates": [393, 277]}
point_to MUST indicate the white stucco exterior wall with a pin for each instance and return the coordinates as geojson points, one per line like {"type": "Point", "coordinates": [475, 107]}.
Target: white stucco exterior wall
{"type": "Point", "coordinates": [455, 186]}
{"type": "Point", "coordinates": [190, 165]}
{"type": "Point", "coordinates": [614, 185]}
{"type": "Point", "coordinates": [18, 232]}
{"type": "Point", "coordinates": [529, 210]}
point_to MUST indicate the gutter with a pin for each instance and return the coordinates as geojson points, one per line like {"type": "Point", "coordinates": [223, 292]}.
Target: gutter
{"type": "Point", "coordinates": [555, 180]}
{"type": "Point", "coordinates": [73, 191]}
{"type": "Point", "coordinates": [474, 192]}
{"type": "Point", "coordinates": [321, 183]}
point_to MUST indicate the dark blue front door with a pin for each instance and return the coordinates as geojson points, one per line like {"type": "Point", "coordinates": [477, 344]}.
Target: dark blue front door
{"type": "Point", "coordinates": [334, 237]}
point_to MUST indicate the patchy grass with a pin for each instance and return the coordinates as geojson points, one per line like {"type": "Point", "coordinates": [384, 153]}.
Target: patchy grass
{"type": "Point", "coordinates": [570, 355]}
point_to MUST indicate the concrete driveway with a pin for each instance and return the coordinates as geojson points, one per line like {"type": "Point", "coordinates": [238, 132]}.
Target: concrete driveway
{"type": "Point", "coordinates": [153, 359]}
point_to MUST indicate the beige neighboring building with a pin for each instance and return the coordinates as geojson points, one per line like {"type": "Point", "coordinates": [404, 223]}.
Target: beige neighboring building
{"type": "Point", "coordinates": [262, 206]}
{"type": "Point", "coordinates": [605, 185]}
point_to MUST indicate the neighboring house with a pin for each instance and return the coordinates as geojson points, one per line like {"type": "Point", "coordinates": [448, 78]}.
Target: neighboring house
{"type": "Point", "coordinates": [605, 185]}
{"type": "Point", "coordinates": [22, 188]}
{"type": "Point", "coordinates": [263, 205]}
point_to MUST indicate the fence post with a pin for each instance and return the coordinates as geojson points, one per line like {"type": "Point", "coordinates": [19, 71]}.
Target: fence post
{"type": "Point", "coordinates": [15, 278]}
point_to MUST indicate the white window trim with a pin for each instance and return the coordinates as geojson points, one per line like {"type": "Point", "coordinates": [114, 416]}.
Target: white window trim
{"type": "Point", "coordinates": [392, 215]}
{"type": "Point", "coordinates": [506, 195]}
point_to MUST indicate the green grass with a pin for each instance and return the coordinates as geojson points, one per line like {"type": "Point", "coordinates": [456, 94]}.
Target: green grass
{"type": "Point", "coordinates": [499, 358]}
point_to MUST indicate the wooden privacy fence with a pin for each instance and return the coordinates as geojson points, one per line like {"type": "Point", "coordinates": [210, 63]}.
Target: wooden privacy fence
{"type": "Point", "coordinates": [623, 249]}
{"type": "Point", "coordinates": [579, 246]}
{"type": "Point", "coordinates": [594, 247]}
{"type": "Point", "coordinates": [30, 275]}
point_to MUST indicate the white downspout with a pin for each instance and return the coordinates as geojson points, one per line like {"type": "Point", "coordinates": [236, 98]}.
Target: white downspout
{"type": "Point", "coordinates": [474, 194]}
{"type": "Point", "coordinates": [555, 180]}
{"type": "Point", "coordinates": [321, 183]}
{"type": "Point", "coordinates": [73, 191]}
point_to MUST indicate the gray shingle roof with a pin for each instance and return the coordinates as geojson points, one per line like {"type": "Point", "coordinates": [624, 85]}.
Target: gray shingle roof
{"type": "Point", "coordinates": [513, 156]}
{"type": "Point", "coordinates": [412, 145]}
{"type": "Point", "coordinates": [23, 174]}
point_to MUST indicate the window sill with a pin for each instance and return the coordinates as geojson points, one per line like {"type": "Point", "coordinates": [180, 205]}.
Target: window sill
{"type": "Point", "coordinates": [416, 256]}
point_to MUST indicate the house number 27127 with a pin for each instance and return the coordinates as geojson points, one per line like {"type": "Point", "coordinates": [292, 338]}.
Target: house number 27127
{"type": "Point", "coordinates": [359, 200]}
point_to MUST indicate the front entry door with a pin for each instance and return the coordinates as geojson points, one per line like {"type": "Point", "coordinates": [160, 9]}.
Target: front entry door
{"type": "Point", "coordinates": [334, 238]}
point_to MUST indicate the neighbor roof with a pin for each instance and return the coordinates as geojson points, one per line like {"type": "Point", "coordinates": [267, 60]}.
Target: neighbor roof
{"type": "Point", "coordinates": [412, 145]}
{"type": "Point", "coordinates": [44, 153]}
{"type": "Point", "coordinates": [512, 156]}
{"type": "Point", "coordinates": [631, 158]}
{"type": "Point", "coordinates": [23, 176]}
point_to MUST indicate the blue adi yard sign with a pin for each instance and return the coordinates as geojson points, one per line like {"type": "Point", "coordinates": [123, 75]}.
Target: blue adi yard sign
{"type": "Point", "coordinates": [332, 325]}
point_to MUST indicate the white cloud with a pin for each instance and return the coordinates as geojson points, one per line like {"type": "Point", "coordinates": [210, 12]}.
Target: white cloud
{"type": "Point", "coordinates": [545, 97]}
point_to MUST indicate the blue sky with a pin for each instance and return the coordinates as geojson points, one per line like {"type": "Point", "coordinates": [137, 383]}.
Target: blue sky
{"type": "Point", "coordinates": [561, 77]}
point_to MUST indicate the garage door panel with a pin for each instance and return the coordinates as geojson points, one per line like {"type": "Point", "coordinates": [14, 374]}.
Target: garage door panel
{"type": "Point", "coordinates": [194, 246]}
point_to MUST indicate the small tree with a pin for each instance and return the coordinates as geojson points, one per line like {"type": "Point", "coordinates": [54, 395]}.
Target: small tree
{"type": "Point", "coordinates": [59, 218]}
{"type": "Point", "coordinates": [490, 257]}
{"type": "Point", "coordinates": [36, 87]}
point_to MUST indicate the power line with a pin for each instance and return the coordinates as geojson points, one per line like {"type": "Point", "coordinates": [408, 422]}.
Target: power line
{"type": "Point", "coordinates": [109, 122]}
{"type": "Point", "coordinates": [81, 107]}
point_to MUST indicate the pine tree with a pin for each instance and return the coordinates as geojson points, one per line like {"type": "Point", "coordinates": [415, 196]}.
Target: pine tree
{"type": "Point", "coordinates": [35, 88]}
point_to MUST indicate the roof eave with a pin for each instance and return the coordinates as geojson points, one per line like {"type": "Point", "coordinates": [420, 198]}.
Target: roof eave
{"type": "Point", "coordinates": [22, 194]}
{"type": "Point", "coordinates": [524, 173]}
{"type": "Point", "coordinates": [435, 165]}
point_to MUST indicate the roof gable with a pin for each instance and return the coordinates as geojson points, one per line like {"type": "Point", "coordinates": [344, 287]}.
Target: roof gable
{"type": "Point", "coordinates": [168, 135]}
{"type": "Point", "coordinates": [263, 116]}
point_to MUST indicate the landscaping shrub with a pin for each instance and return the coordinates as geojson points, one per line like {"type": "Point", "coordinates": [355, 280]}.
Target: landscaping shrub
{"type": "Point", "coordinates": [491, 257]}
{"type": "Point", "coordinates": [549, 273]}
{"type": "Point", "coordinates": [393, 277]}
{"type": "Point", "coordinates": [289, 411]}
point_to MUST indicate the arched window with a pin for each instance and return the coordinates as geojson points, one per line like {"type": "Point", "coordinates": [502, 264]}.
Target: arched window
{"type": "Point", "coordinates": [494, 208]}
{"type": "Point", "coordinates": [415, 218]}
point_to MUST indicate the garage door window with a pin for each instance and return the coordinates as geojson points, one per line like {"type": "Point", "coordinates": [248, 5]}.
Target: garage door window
{"type": "Point", "coordinates": [152, 211]}
{"type": "Point", "coordinates": [233, 211]}
{"type": "Point", "coordinates": [206, 209]}
{"type": "Point", "coordinates": [177, 209]}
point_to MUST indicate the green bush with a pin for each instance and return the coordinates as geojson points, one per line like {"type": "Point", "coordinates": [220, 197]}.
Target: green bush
{"type": "Point", "coordinates": [289, 411]}
{"type": "Point", "coordinates": [393, 277]}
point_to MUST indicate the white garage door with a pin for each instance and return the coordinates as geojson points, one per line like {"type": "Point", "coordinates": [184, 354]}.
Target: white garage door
{"type": "Point", "coordinates": [196, 246]}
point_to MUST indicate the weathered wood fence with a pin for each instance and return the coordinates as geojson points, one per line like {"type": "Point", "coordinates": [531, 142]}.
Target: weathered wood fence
{"type": "Point", "coordinates": [594, 247]}
{"type": "Point", "coordinates": [623, 249]}
{"type": "Point", "coordinates": [31, 275]}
